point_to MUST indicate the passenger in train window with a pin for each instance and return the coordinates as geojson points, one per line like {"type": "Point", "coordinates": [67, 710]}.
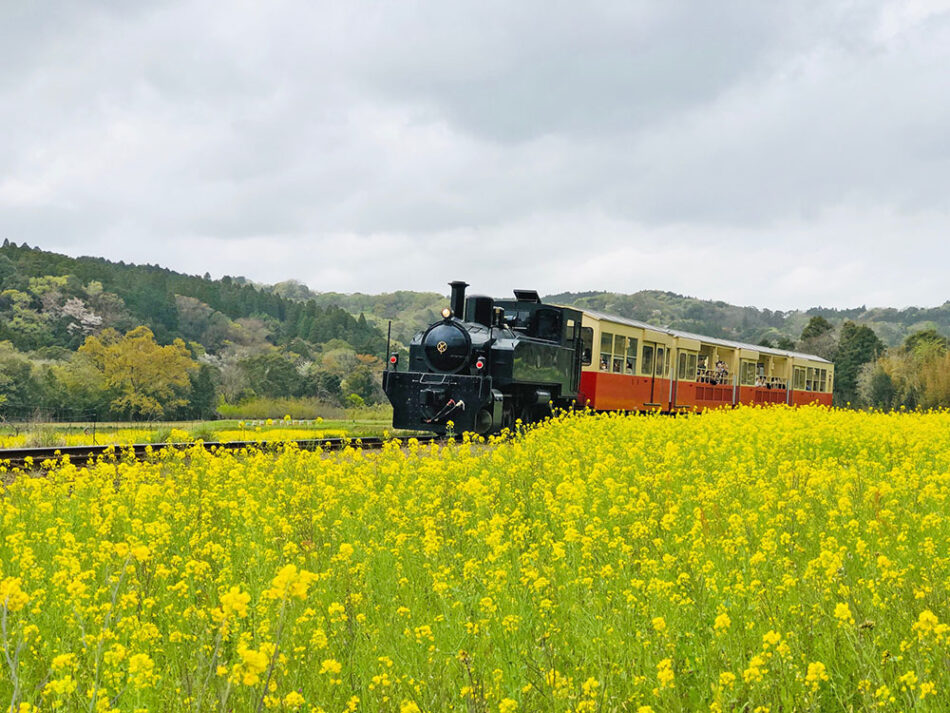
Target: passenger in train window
{"type": "Point", "coordinates": [603, 364]}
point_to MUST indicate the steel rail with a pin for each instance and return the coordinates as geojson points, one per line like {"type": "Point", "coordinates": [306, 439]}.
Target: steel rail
{"type": "Point", "coordinates": [37, 456]}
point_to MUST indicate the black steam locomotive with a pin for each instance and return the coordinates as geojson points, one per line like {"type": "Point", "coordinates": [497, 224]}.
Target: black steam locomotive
{"type": "Point", "coordinates": [486, 364]}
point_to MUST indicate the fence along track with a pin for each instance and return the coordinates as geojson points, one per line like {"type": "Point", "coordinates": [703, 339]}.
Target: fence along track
{"type": "Point", "coordinates": [20, 456]}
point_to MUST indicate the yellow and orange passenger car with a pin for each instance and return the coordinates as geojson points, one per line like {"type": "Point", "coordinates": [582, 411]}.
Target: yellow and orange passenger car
{"type": "Point", "coordinates": [632, 366]}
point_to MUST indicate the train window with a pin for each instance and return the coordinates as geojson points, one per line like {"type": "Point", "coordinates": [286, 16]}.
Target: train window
{"type": "Point", "coordinates": [823, 380]}
{"type": "Point", "coordinates": [660, 361]}
{"type": "Point", "coordinates": [646, 366]}
{"type": "Point", "coordinates": [631, 356]}
{"type": "Point", "coordinates": [799, 378]}
{"type": "Point", "coordinates": [747, 373]}
{"type": "Point", "coordinates": [606, 347]}
{"type": "Point", "coordinates": [587, 345]}
{"type": "Point", "coordinates": [666, 364]}
{"type": "Point", "coordinates": [686, 369]}
{"type": "Point", "coordinates": [618, 354]}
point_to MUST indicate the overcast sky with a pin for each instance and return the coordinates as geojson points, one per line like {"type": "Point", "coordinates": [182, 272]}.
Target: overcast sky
{"type": "Point", "coordinates": [781, 154]}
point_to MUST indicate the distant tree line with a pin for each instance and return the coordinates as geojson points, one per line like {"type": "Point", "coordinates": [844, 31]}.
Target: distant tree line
{"type": "Point", "coordinates": [915, 374]}
{"type": "Point", "coordinates": [125, 341]}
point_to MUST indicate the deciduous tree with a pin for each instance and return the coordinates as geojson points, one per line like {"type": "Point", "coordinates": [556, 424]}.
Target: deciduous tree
{"type": "Point", "coordinates": [145, 379]}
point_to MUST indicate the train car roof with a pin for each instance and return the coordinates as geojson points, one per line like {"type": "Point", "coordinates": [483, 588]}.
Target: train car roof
{"type": "Point", "coordinates": [702, 338]}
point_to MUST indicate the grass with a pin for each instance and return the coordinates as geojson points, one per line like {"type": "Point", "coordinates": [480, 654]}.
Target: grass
{"type": "Point", "coordinates": [354, 423]}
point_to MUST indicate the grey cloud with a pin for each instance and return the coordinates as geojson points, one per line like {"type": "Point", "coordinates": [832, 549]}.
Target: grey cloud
{"type": "Point", "coordinates": [612, 141]}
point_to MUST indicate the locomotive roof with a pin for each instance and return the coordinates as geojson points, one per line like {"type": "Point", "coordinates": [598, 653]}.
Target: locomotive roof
{"type": "Point", "coordinates": [701, 338]}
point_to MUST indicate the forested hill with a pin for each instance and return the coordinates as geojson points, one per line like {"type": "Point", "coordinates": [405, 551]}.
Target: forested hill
{"type": "Point", "coordinates": [51, 300]}
{"type": "Point", "coordinates": [411, 311]}
{"type": "Point", "coordinates": [754, 324]}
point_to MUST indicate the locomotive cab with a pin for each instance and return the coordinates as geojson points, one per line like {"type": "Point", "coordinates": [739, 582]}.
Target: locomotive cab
{"type": "Point", "coordinates": [487, 363]}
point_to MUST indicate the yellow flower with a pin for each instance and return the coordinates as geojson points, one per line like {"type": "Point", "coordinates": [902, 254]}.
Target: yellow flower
{"type": "Point", "coordinates": [12, 595]}
{"type": "Point", "coordinates": [509, 705]}
{"type": "Point", "coordinates": [331, 666]}
{"type": "Point", "coordinates": [722, 622]}
{"type": "Point", "coordinates": [659, 624]}
{"type": "Point", "coordinates": [62, 686]}
{"type": "Point", "coordinates": [63, 661]}
{"type": "Point", "coordinates": [293, 700]}
{"type": "Point", "coordinates": [252, 664]}
{"type": "Point", "coordinates": [755, 671]}
{"type": "Point", "coordinates": [590, 687]}
{"type": "Point", "coordinates": [816, 674]}
{"type": "Point", "coordinates": [664, 673]}
{"type": "Point", "coordinates": [409, 707]}
{"type": "Point", "coordinates": [233, 603]}
{"type": "Point", "coordinates": [926, 623]}
{"type": "Point", "coordinates": [142, 670]}
{"type": "Point", "coordinates": [843, 614]}
{"type": "Point", "coordinates": [290, 582]}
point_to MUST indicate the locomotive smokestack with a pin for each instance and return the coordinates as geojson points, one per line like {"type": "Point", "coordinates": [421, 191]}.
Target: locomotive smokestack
{"type": "Point", "coordinates": [458, 298]}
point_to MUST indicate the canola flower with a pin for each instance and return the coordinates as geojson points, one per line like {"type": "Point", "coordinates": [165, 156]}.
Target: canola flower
{"type": "Point", "coordinates": [751, 559]}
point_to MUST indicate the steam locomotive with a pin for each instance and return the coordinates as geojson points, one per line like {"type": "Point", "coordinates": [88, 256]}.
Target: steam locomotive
{"type": "Point", "coordinates": [487, 363]}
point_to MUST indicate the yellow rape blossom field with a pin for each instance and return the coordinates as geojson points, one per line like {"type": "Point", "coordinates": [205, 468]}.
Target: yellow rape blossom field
{"type": "Point", "coordinates": [745, 560]}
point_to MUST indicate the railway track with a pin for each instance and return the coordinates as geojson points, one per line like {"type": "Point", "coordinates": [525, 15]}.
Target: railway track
{"type": "Point", "coordinates": [13, 457]}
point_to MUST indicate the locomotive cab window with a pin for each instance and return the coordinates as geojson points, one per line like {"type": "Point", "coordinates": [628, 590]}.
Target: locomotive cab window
{"type": "Point", "coordinates": [587, 345]}
{"type": "Point", "coordinates": [546, 325]}
{"type": "Point", "coordinates": [517, 319]}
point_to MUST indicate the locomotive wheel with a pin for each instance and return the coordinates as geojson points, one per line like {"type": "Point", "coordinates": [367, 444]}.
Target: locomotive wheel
{"type": "Point", "coordinates": [508, 416]}
{"type": "Point", "coordinates": [483, 422]}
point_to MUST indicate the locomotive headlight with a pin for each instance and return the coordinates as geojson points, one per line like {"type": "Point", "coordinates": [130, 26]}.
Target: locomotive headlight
{"type": "Point", "coordinates": [446, 313]}
{"type": "Point", "coordinates": [394, 359]}
{"type": "Point", "coordinates": [480, 364]}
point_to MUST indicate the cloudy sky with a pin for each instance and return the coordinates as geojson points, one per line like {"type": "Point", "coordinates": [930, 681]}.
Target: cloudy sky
{"type": "Point", "coordinates": [782, 154]}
